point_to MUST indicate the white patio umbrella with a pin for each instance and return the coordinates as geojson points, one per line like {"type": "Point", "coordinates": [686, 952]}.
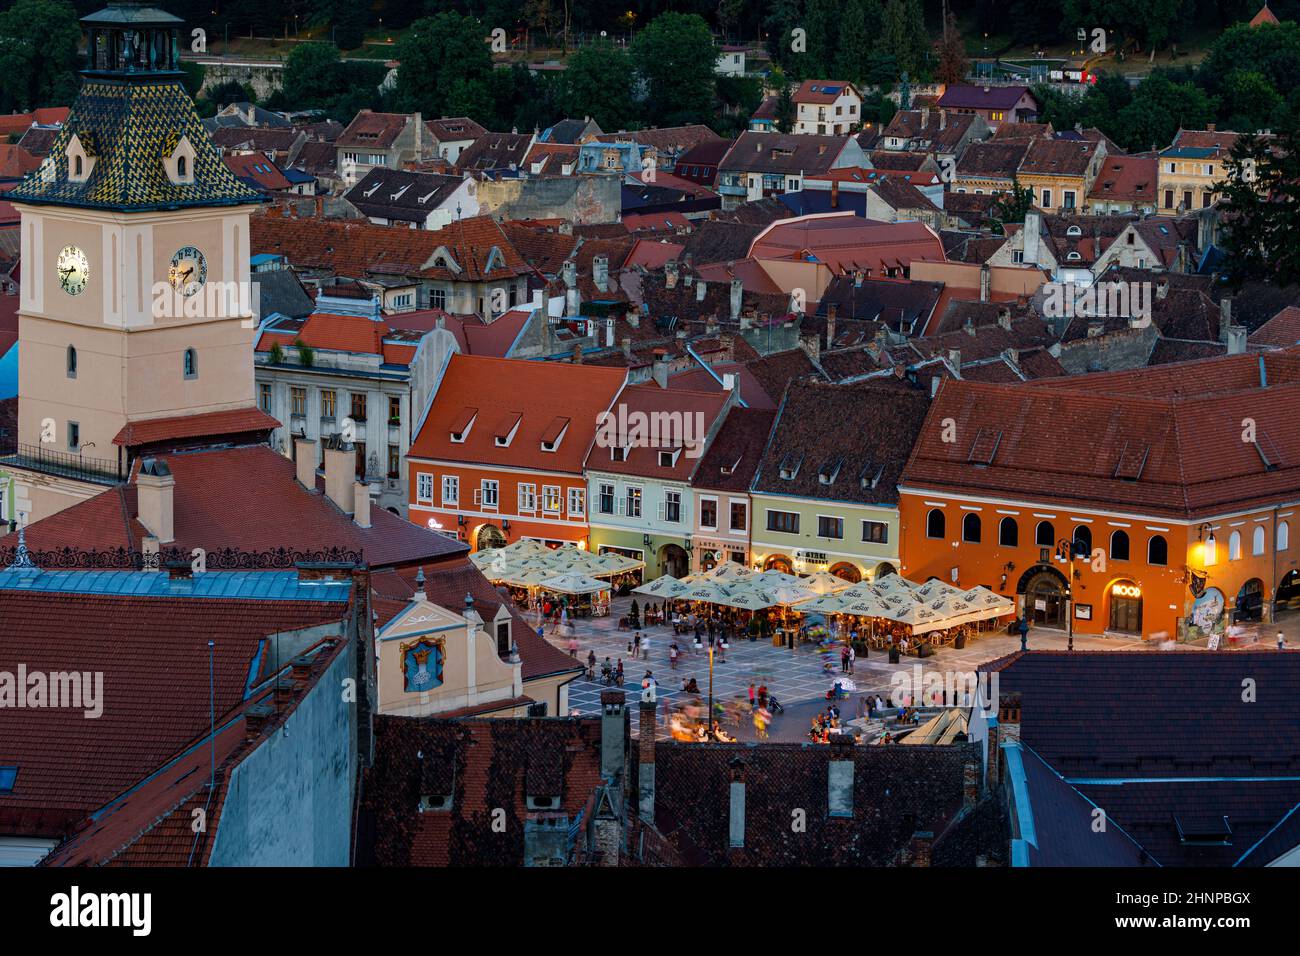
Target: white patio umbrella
{"type": "Point", "coordinates": [935, 588]}
{"type": "Point", "coordinates": [528, 579]}
{"type": "Point", "coordinates": [727, 572]}
{"type": "Point", "coordinates": [703, 591]}
{"type": "Point", "coordinates": [664, 586]}
{"type": "Point", "coordinates": [826, 604]}
{"type": "Point", "coordinates": [893, 584]}
{"type": "Point", "coordinates": [823, 582]}
{"type": "Point", "coordinates": [769, 579]}
{"type": "Point", "coordinates": [744, 599]}
{"type": "Point", "coordinates": [574, 584]}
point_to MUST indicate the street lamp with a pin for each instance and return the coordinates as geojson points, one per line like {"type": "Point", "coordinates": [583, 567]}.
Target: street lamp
{"type": "Point", "coordinates": [1067, 549]}
{"type": "Point", "coordinates": [708, 717]}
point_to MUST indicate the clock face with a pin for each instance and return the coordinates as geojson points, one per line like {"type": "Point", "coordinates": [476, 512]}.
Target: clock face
{"type": "Point", "coordinates": [74, 270]}
{"type": "Point", "coordinates": [188, 271]}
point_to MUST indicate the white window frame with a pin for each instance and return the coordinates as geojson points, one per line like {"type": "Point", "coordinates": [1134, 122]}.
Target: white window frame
{"type": "Point", "coordinates": [552, 499]}
{"type": "Point", "coordinates": [527, 497]}
{"type": "Point", "coordinates": [634, 493]}
{"type": "Point", "coordinates": [451, 483]}
{"type": "Point", "coordinates": [600, 497]}
{"type": "Point", "coordinates": [424, 486]}
{"type": "Point", "coordinates": [709, 527]}
{"type": "Point", "coordinates": [731, 503]}
{"type": "Point", "coordinates": [489, 488]}
{"type": "Point", "coordinates": [577, 502]}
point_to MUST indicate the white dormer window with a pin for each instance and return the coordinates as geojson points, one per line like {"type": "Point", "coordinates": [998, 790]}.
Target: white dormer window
{"type": "Point", "coordinates": [1074, 231]}
{"type": "Point", "coordinates": [461, 426]}
{"type": "Point", "coordinates": [180, 164]}
{"type": "Point", "coordinates": [495, 260]}
{"type": "Point", "coordinates": [668, 459]}
{"type": "Point", "coordinates": [81, 160]}
{"type": "Point", "coordinates": [505, 436]}
{"type": "Point", "coordinates": [1073, 257]}
{"type": "Point", "coordinates": [617, 453]}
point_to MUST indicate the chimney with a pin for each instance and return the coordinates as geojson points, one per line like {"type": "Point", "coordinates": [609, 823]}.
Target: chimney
{"type": "Point", "coordinates": [670, 274]}
{"type": "Point", "coordinates": [943, 119]}
{"type": "Point", "coordinates": [361, 503]}
{"type": "Point", "coordinates": [969, 326]}
{"type": "Point", "coordinates": [832, 313]}
{"type": "Point", "coordinates": [1162, 288]}
{"type": "Point", "coordinates": [340, 474]}
{"type": "Point", "coordinates": [700, 291]}
{"type": "Point", "coordinates": [154, 499]}
{"type": "Point", "coordinates": [925, 117]}
{"type": "Point", "coordinates": [283, 691]}
{"type": "Point", "coordinates": [659, 369]}
{"type": "Point", "coordinates": [1236, 339]}
{"type": "Point", "coordinates": [600, 272]}
{"type": "Point", "coordinates": [577, 353]}
{"type": "Point", "coordinates": [572, 297]}
{"type": "Point", "coordinates": [613, 731]}
{"type": "Point", "coordinates": [626, 345]}
{"type": "Point", "coordinates": [1004, 318]}
{"type": "Point", "coordinates": [736, 810]}
{"type": "Point", "coordinates": [539, 299]}
{"type": "Point", "coordinates": [255, 718]}
{"type": "Point", "coordinates": [835, 194]}
{"type": "Point", "coordinates": [1030, 234]}
{"type": "Point", "coordinates": [1225, 317]}
{"type": "Point", "coordinates": [646, 760]}
{"type": "Point", "coordinates": [954, 359]}
{"type": "Point", "coordinates": [839, 776]}
{"type": "Point", "coordinates": [737, 298]}
{"type": "Point", "coordinates": [305, 452]}
{"type": "Point", "coordinates": [984, 282]}
{"type": "Point", "coordinates": [935, 382]}
{"type": "Point", "coordinates": [1209, 127]}
{"type": "Point", "coordinates": [992, 759]}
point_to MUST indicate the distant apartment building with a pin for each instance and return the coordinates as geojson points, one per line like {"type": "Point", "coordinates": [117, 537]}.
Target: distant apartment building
{"type": "Point", "coordinates": [827, 108]}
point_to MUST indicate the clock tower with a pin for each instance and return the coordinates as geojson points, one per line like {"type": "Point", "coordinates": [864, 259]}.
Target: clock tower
{"type": "Point", "coordinates": [135, 248]}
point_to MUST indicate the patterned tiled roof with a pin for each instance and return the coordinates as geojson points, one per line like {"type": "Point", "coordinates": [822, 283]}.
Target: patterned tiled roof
{"type": "Point", "coordinates": [132, 125]}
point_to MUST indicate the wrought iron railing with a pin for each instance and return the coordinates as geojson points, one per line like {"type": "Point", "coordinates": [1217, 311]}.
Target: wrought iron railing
{"type": "Point", "coordinates": [218, 559]}
{"type": "Point", "coordinates": [65, 464]}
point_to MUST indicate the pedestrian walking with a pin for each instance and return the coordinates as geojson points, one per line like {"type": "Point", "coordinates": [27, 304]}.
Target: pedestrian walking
{"type": "Point", "coordinates": [573, 645]}
{"type": "Point", "coordinates": [853, 656]}
{"type": "Point", "coordinates": [751, 697]}
{"type": "Point", "coordinates": [645, 648]}
{"type": "Point", "coordinates": [844, 659]}
{"type": "Point", "coordinates": [636, 646]}
{"type": "Point", "coordinates": [672, 655]}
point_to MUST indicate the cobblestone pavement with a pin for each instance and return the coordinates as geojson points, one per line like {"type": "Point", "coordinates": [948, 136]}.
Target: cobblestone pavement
{"type": "Point", "coordinates": [796, 677]}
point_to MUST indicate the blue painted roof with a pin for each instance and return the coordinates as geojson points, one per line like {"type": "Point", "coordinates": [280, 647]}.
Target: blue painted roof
{"type": "Point", "coordinates": [225, 585]}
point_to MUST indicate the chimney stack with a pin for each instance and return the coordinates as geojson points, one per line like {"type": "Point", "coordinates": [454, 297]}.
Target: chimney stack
{"type": "Point", "coordinates": [659, 369]}
{"type": "Point", "coordinates": [835, 194]}
{"type": "Point", "coordinates": [832, 313]}
{"type": "Point", "coordinates": [701, 290]}
{"type": "Point", "coordinates": [613, 733]}
{"type": "Point", "coordinates": [737, 298]}
{"type": "Point", "coordinates": [954, 359]}
{"type": "Point", "coordinates": [1030, 234]}
{"type": "Point", "coordinates": [155, 499]}
{"type": "Point", "coordinates": [1004, 318]}
{"type": "Point", "coordinates": [736, 810]}
{"type": "Point", "coordinates": [646, 760]}
{"type": "Point", "coordinates": [340, 474]}
{"type": "Point", "coordinates": [1236, 339]}
{"type": "Point", "coordinates": [361, 504]}
{"type": "Point", "coordinates": [1225, 317]}
{"type": "Point", "coordinates": [572, 297]}
{"type": "Point", "coordinates": [984, 282]}
{"type": "Point", "coordinates": [305, 461]}
{"type": "Point", "coordinates": [419, 596]}
{"type": "Point", "coordinates": [839, 776]}
{"type": "Point", "coordinates": [600, 272]}
{"type": "Point", "coordinates": [670, 274]}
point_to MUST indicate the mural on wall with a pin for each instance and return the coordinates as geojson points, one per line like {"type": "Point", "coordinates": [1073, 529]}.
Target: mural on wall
{"type": "Point", "coordinates": [422, 662]}
{"type": "Point", "coordinates": [1207, 617]}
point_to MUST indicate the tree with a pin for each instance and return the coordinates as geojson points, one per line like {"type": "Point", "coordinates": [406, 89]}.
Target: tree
{"type": "Point", "coordinates": [1011, 207]}
{"type": "Point", "coordinates": [312, 75]}
{"type": "Point", "coordinates": [442, 56]}
{"type": "Point", "coordinates": [824, 21]}
{"type": "Point", "coordinates": [675, 56]}
{"type": "Point", "coordinates": [785, 111]}
{"type": "Point", "coordinates": [903, 36]}
{"type": "Point", "coordinates": [1273, 52]}
{"type": "Point", "coordinates": [1250, 101]}
{"type": "Point", "coordinates": [1260, 203]}
{"type": "Point", "coordinates": [599, 81]}
{"type": "Point", "coordinates": [861, 22]}
{"type": "Point", "coordinates": [38, 54]}
{"type": "Point", "coordinates": [951, 52]}
{"type": "Point", "coordinates": [1160, 107]}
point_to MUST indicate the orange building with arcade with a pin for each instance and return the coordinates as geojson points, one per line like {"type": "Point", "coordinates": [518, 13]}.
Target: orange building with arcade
{"type": "Point", "coordinates": [1181, 484]}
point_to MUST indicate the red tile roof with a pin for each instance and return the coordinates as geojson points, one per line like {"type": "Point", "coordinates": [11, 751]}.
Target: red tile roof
{"type": "Point", "coordinates": [1282, 330]}
{"type": "Point", "coordinates": [153, 655]}
{"type": "Point", "coordinates": [1126, 179]}
{"type": "Point", "coordinates": [1127, 441]}
{"type": "Point", "coordinates": [820, 91]}
{"type": "Point", "coordinates": [685, 409]}
{"type": "Point", "coordinates": [257, 167]}
{"type": "Point", "coordinates": [207, 424]}
{"type": "Point", "coordinates": [541, 391]}
{"type": "Point", "coordinates": [16, 162]}
{"type": "Point", "coordinates": [848, 243]}
{"type": "Point", "coordinates": [373, 130]}
{"type": "Point", "coordinates": [273, 512]}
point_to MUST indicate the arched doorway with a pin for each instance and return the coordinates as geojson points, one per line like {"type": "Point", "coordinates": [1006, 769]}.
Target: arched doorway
{"type": "Point", "coordinates": [882, 569]}
{"type": "Point", "coordinates": [673, 560]}
{"type": "Point", "coordinates": [847, 571]}
{"type": "Point", "coordinates": [489, 536]}
{"type": "Point", "coordinates": [779, 562]}
{"type": "Point", "coordinates": [1125, 608]}
{"type": "Point", "coordinates": [1044, 591]}
{"type": "Point", "coordinates": [1288, 592]}
{"type": "Point", "coordinates": [1250, 601]}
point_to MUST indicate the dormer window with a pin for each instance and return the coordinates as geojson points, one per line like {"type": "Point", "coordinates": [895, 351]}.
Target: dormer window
{"type": "Point", "coordinates": [829, 471]}
{"type": "Point", "coordinates": [668, 459]}
{"type": "Point", "coordinates": [179, 163]}
{"type": "Point", "coordinates": [554, 433]}
{"type": "Point", "coordinates": [506, 431]}
{"type": "Point", "coordinates": [462, 423]}
{"type": "Point", "coordinates": [790, 466]}
{"type": "Point", "coordinates": [81, 157]}
{"type": "Point", "coordinates": [435, 802]}
{"type": "Point", "coordinates": [617, 453]}
{"type": "Point", "coordinates": [1074, 231]}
